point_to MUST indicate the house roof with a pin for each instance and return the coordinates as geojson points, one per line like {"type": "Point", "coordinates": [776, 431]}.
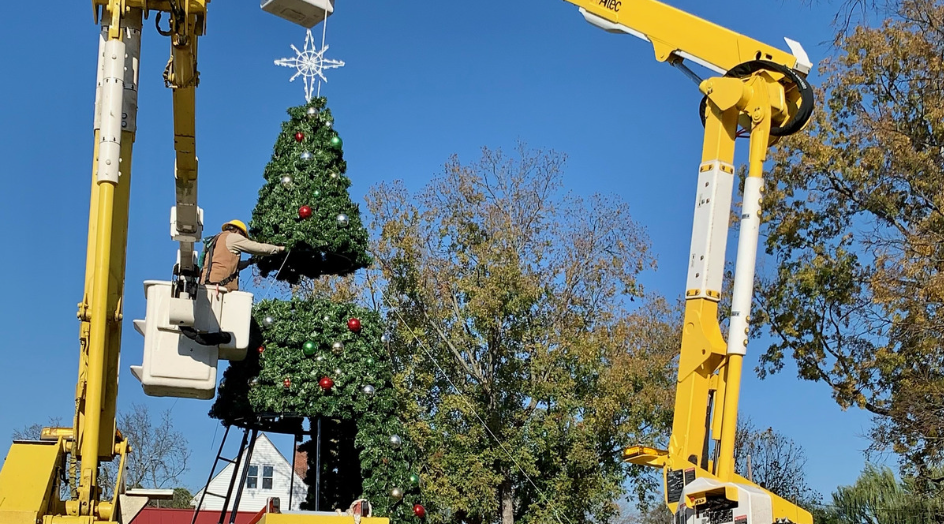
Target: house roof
{"type": "Point", "coordinates": [184, 516]}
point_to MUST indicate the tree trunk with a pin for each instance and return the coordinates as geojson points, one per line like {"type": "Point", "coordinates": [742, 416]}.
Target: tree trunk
{"type": "Point", "coordinates": [507, 502]}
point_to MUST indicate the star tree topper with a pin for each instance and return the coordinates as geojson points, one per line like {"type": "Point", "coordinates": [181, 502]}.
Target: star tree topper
{"type": "Point", "coordinates": [309, 64]}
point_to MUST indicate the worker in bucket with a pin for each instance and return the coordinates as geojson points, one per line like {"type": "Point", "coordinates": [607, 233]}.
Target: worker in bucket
{"type": "Point", "coordinates": [222, 264]}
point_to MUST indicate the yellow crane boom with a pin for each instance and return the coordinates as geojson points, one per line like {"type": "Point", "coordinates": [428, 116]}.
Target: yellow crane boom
{"type": "Point", "coordinates": [764, 91]}
{"type": "Point", "coordinates": [761, 89]}
{"type": "Point", "coordinates": [677, 35]}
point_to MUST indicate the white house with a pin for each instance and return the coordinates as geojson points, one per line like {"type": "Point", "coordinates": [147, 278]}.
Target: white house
{"type": "Point", "coordinates": [269, 475]}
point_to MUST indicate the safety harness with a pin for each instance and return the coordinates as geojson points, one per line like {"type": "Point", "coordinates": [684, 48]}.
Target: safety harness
{"type": "Point", "coordinates": [208, 263]}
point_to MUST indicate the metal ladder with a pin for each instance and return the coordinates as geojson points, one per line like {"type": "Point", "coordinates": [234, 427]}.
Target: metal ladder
{"type": "Point", "coordinates": [247, 444]}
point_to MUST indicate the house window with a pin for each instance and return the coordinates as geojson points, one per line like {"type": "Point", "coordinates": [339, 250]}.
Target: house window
{"type": "Point", "coordinates": [266, 477]}
{"type": "Point", "coordinates": [252, 478]}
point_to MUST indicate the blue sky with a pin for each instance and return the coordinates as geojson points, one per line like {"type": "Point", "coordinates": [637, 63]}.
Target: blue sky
{"type": "Point", "coordinates": [423, 80]}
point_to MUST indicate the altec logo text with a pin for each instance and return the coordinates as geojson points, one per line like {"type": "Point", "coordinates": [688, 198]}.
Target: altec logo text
{"type": "Point", "coordinates": [612, 5]}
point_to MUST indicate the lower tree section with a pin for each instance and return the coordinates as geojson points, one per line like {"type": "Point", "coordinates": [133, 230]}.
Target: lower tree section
{"type": "Point", "coordinates": [341, 481]}
{"type": "Point", "coordinates": [316, 359]}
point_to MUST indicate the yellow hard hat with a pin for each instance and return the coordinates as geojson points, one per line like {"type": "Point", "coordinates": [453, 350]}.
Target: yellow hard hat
{"type": "Point", "coordinates": [238, 224]}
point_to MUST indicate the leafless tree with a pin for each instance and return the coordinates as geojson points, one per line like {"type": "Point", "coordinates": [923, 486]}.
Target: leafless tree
{"type": "Point", "coordinates": [657, 513]}
{"type": "Point", "coordinates": [33, 431]}
{"type": "Point", "coordinates": [773, 461]}
{"type": "Point", "coordinates": [159, 453]}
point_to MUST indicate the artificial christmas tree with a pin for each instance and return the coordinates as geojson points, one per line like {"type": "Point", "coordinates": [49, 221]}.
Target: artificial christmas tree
{"type": "Point", "coordinates": [304, 204]}
{"type": "Point", "coordinates": [363, 453]}
{"type": "Point", "coordinates": [315, 359]}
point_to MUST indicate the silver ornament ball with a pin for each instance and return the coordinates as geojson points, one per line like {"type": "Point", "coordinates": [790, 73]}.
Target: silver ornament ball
{"type": "Point", "coordinates": [328, 124]}
{"type": "Point", "coordinates": [337, 372]}
{"type": "Point", "coordinates": [396, 493]}
{"type": "Point", "coordinates": [312, 112]}
{"type": "Point", "coordinates": [306, 155]}
{"type": "Point", "coordinates": [368, 390]}
{"type": "Point", "coordinates": [395, 441]}
{"type": "Point", "coordinates": [337, 348]}
{"type": "Point", "coordinates": [342, 219]}
{"type": "Point", "coordinates": [286, 181]}
{"type": "Point", "coordinates": [268, 321]}
{"type": "Point", "coordinates": [326, 318]}
{"type": "Point", "coordinates": [385, 338]}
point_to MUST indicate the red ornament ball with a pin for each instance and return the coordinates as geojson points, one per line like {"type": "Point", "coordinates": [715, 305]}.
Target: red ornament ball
{"type": "Point", "coordinates": [419, 510]}
{"type": "Point", "coordinates": [287, 383]}
{"type": "Point", "coordinates": [354, 325]}
{"type": "Point", "coordinates": [326, 383]}
{"type": "Point", "coordinates": [261, 349]}
{"type": "Point", "coordinates": [304, 212]}
{"type": "Point", "coordinates": [299, 136]}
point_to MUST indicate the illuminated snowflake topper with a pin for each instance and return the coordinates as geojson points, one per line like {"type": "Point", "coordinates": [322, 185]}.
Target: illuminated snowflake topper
{"type": "Point", "coordinates": [309, 64]}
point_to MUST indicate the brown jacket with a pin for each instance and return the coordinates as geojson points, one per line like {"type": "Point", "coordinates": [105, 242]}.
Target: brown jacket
{"type": "Point", "coordinates": [224, 259]}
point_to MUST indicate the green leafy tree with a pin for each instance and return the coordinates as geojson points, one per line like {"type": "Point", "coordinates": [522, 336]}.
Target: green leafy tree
{"type": "Point", "coordinates": [877, 497]}
{"type": "Point", "coordinates": [181, 500]}
{"type": "Point", "coordinates": [856, 228]}
{"type": "Point", "coordinates": [515, 340]}
{"type": "Point", "coordinates": [304, 204]}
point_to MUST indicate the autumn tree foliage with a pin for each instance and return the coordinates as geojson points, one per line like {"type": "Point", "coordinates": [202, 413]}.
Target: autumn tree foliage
{"type": "Point", "coordinates": [527, 348]}
{"type": "Point", "coordinates": [856, 227]}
